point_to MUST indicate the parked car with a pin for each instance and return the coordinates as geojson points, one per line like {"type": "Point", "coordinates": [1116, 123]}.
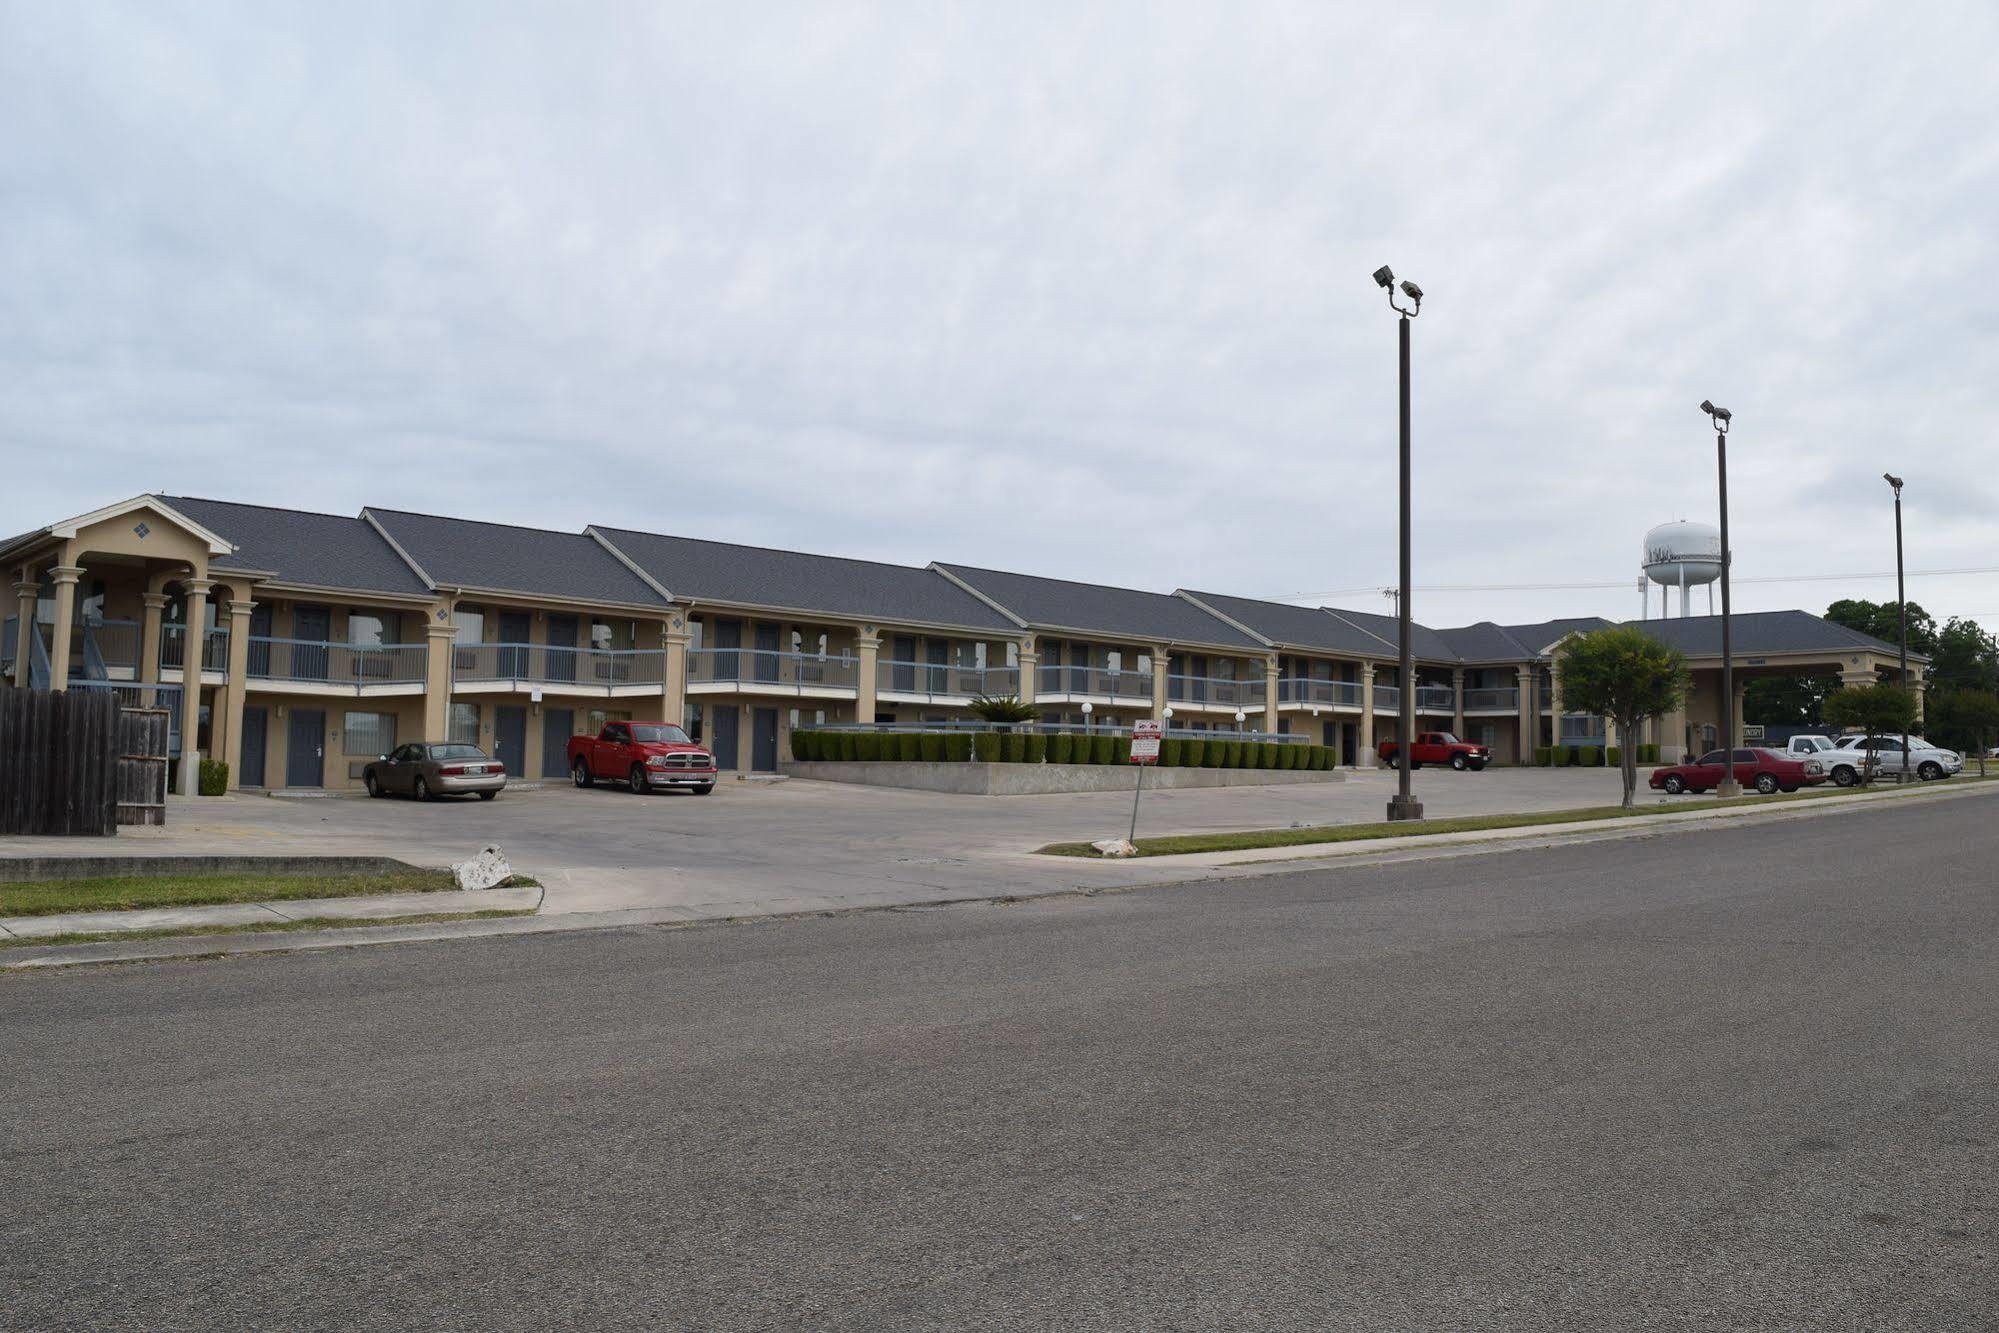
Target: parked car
{"type": "Point", "coordinates": [429, 771]}
{"type": "Point", "coordinates": [642, 755]}
{"type": "Point", "coordinates": [1437, 747]}
{"type": "Point", "coordinates": [1766, 770]}
{"type": "Point", "coordinates": [1847, 760]}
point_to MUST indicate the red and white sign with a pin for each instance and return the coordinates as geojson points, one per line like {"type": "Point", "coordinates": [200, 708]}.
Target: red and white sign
{"type": "Point", "coordinates": [1145, 741]}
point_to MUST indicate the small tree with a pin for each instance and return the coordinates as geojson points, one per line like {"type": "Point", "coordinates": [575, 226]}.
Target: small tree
{"type": "Point", "coordinates": [1970, 717]}
{"type": "Point", "coordinates": [1626, 675]}
{"type": "Point", "coordinates": [1874, 709]}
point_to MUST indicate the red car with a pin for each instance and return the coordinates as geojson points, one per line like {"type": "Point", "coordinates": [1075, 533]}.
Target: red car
{"type": "Point", "coordinates": [1437, 747]}
{"type": "Point", "coordinates": [642, 755]}
{"type": "Point", "coordinates": [1766, 770]}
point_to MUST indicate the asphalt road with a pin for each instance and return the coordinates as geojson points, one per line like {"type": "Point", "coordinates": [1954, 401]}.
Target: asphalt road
{"type": "Point", "coordinates": [1745, 1077]}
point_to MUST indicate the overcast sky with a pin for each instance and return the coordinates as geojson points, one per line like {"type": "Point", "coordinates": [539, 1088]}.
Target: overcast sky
{"type": "Point", "coordinates": [1079, 290]}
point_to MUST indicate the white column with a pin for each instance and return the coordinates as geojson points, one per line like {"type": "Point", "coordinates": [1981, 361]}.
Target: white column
{"type": "Point", "coordinates": [190, 682]}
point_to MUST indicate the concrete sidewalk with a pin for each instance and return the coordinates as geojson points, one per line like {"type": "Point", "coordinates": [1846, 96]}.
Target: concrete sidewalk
{"type": "Point", "coordinates": [366, 907]}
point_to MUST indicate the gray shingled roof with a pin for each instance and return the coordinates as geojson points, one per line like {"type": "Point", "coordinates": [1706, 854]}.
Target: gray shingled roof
{"type": "Point", "coordinates": [1426, 642]}
{"type": "Point", "coordinates": [1091, 608]}
{"type": "Point", "coordinates": [1759, 632]}
{"type": "Point", "coordinates": [324, 550]}
{"type": "Point", "coordinates": [1288, 626]}
{"type": "Point", "coordinates": [709, 571]}
{"type": "Point", "coordinates": [1490, 642]}
{"type": "Point", "coordinates": [463, 553]}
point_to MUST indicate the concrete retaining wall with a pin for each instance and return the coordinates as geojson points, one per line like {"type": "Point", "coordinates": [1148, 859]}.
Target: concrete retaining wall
{"type": "Point", "coordinates": [975, 779]}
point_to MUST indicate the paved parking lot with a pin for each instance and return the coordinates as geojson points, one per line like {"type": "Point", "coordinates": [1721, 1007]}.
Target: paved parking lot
{"type": "Point", "coordinates": [803, 846]}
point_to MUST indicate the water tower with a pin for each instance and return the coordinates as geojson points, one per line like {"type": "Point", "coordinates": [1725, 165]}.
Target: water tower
{"type": "Point", "coordinates": [1681, 555]}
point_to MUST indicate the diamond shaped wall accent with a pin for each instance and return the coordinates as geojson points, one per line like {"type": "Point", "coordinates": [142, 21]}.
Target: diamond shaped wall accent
{"type": "Point", "coordinates": [141, 528]}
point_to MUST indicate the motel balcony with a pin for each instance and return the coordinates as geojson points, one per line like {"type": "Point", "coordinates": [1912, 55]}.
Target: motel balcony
{"type": "Point", "coordinates": [1436, 699]}
{"type": "Point", "coordinates": [942, 683]}
{"type": "Point", "coordinates": [1311, 692]}
{"type": "Point", "coordinates": [1222, 693]}
{"type": "Point", "coordinates": [1505, 700]}
{"type": "Point", "coordinates": [519, 668]}
{"type": "Point", "coordinates": [1074, 684]}
{"type": "Point", "coordinates": [788, 675]}
{"type": "Point", "coordinates": [1387, 698]}
{"type": "Point", "coordinates": [316, 666]}
{"type": "Point", "coordinates": [173, 650]}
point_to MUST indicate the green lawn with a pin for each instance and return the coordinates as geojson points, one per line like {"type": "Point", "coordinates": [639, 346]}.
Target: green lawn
{"type": "Point", "coordinates": [307, 923]}
{"type": "Point", "coordinates": [128, 893]}
{"type": "Point", "coordinates": [1251, 839]}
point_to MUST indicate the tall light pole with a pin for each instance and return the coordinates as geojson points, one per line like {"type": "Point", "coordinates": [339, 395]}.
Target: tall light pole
{"type": "Point", "coordinates": [1721, 417]}
{"type": "Point", "coordinates": [1404, 805]}
{"type": "Point", "coordinates": [1901, 607]}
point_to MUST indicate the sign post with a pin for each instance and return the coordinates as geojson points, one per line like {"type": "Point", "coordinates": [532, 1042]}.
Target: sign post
{"type": "Point", "coordinates": [1145, 737]}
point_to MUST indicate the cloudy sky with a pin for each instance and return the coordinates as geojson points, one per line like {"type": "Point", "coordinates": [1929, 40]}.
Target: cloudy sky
{"type": "Point", "coordinates": [1073, 289]}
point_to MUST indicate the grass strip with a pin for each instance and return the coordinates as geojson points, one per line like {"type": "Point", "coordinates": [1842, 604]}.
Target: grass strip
{"type": "Point", "coordinates": [259, 928]}
{"type": "Point", "coordinates": [1252, 839]}
{"type": "Point", "coordinates": [122, 893]}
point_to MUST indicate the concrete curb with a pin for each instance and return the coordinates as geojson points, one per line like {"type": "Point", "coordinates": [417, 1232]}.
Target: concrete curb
{"type": "Point", "coordinates": [359, 907]}
{"type": "Point", "coordinates": [1441, 846]}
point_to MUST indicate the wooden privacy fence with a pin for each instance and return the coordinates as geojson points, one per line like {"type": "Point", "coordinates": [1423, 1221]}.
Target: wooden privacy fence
{"type": "Point", "coordinates": [71, 763]}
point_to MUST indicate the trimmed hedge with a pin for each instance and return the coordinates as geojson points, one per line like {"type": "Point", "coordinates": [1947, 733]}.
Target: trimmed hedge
{"type": "Point", "coordinates": [957, 747]}
{"type": "Point", "coordinates": [909, 747]}
{"type": "Point", "coordinates": [214, 778]}
{"type": "Point", "coordinates": [1194, 753]}
{"type": "Point", "coordinates": [1171, 750]}
{"type": "Point", "coordinates": [986, 747]}
{"type": "Point", "coordinates": [1013, 748]}
{"type": "Point", "coordinates": [1592, 756]}
{"type": "Point", "coordinates": [1103, 749]}
{"type": "Point", "coordinates": [931, 748]}
{"type": "Point", "coordinates": [1614, 755]}
{"type": "Point", "coordinates": [1036, 749]}
{"type": "Point", "coordinates": [1061, 748]}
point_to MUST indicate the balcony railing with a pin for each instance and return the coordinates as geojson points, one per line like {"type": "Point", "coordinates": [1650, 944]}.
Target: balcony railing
{"type": "Point", "coordinates": [110, 645]}
{"type": "Point", "coordinates": [1097, 682]}
{"type": "Point", "coordinates": [940, 680]}
{"type": "Point", "coordinates": [1217, 691]}
{"type": "Point", "coordinates": [1489, 700]}
{"type": "Point", "coordinates": [336, 663]}
{"type": "Point", "coordinates": [10, 633]}
{"type": "Point", "coordinates": [553, 664]}
{"type": "Point", "coordinates": [131, 694]}
{"type": "Point", "coordinates": [755, 669]}
{"type": "Point", "coordinates": [1436, 699]}
{"type": "Point", "coordinates": [1387, 696]}
{"type": "Point", "coordinates": [1320, 693]}
{"type": "Point", "coordinates": [214, 648]}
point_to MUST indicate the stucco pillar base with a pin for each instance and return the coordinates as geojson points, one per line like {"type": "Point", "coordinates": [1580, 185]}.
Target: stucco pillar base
{"type": "Point", "coordinates": [1404, 807]}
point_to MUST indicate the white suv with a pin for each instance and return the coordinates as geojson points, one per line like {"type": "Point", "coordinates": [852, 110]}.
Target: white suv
{"type": "Point", "coordinates": [1928, 762]}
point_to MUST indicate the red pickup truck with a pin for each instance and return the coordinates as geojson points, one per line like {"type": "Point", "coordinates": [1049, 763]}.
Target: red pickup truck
{"type": "Point", "coordinates": [642, 755]}
{"type": "Point", "coordinates": [1437, 747]}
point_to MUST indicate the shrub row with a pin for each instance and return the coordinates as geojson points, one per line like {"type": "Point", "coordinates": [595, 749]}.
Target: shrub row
{"type": "Point", "coordinates": [869, 746]}
{"type": "Point", "coordinates": [994, 747]}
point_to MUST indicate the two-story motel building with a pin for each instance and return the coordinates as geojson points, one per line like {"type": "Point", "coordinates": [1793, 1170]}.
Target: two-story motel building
{"type": "Point", "coordinates": [297, 646]}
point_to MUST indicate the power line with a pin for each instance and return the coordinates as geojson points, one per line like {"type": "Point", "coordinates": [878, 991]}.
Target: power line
{"type": "Point", "coordinates": [1631, 582]}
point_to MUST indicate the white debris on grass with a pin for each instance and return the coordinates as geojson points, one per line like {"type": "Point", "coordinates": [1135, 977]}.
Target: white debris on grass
{"type": "Point", "coordinates": [487, 870]}
{"type": "Point", "coordinates": [1114, 847]}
